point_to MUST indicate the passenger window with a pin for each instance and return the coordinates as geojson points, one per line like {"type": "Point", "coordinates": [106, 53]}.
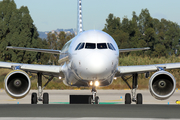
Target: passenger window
{"type": "Point", "coordinates": [81, 46]}
{"type": "Point", "coordinates": [78, 46]}
{"type": "Point", "coordinates": [110, 47]}
{"type": "Point", "coordinates": [90, 46]}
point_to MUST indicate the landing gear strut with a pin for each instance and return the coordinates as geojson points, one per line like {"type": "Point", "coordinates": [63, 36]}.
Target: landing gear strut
{"type": "Point", "coordinates": [93, 99]}
{"type": "Point", "coordinates": [44, 97]}
{"type": "Point", "coordinates": [135, 98]}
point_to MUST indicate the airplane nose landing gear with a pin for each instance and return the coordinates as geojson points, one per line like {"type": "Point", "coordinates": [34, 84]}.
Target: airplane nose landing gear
{"type": "Point", "coordinates": [93, 99]}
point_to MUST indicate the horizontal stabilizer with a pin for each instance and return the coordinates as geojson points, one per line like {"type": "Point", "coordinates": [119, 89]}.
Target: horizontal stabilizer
{"type": "Point", "coordinates": [133, 49]}
{"type": "Point", "coordinates": [35, 49]}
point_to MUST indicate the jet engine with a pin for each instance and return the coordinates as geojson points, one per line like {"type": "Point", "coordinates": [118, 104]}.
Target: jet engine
{"type": "Point", "coordinates": [17, 84]}
{"type": "Point", "coordinates": [162, 85]}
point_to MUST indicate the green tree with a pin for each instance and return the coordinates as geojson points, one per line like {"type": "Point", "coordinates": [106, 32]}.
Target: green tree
{"type": "Point", "coordinates": [112, 24]}
{"type": "Point", "coordinates": [52, 43]}
{"type": "Point", "coordinates": [145, 20]}
{"type": "Point", "coordinates": [57, 41]}
{"type": "Point", "coordinates": [42, 58]}
{"type": "Point", "coordinates": [61, 39]}
{"type": "Point", "coordinates": [161, 36]}
{"type": "Point", "coordinates": [136, 39]}
{"type": "Point", "coordinates": [17, 30]}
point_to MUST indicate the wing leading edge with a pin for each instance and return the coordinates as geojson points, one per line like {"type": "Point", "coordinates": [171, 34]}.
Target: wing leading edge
{"type": "Point", "coordinates": [45, 69]}
{"type": "Point", "coordinates": [127, 70]}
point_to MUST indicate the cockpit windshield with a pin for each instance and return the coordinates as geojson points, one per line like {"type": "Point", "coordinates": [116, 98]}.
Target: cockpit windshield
{"type": "Point", "coordinates": [90, 46]}
{"type": "Point", "coordinates": [101, 46]}
{"type": "Point", "coordinates": [93, 46]}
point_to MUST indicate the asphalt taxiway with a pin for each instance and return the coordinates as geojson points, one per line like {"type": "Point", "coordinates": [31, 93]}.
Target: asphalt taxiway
{"type": "Point", "coordinates": [102, 111]}
{"type": "Point", "coordinates": [111, 106]}
{"type": "Point", "coordinates": [106, 97]}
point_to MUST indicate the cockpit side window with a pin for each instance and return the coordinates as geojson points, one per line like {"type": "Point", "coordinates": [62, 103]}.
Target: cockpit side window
{"type": "Point", "coordinates": [78, 46]}
{"type": "Point", "coordinates": [90, 46]}
{"type": "Point", "coordinates": [112, 46]}
{"type": "Point", "coordinates": [101, 46]}
{"type": "Point", "coordinates": [81, 46]}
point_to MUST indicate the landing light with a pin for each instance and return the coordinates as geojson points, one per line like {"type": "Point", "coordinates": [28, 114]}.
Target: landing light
{"type": "Point", "coordinates": [60, 77]}
{"type": "Point", "coordinates": [96, 83]}
{"type": "Point", "coordinates": [91, 83]}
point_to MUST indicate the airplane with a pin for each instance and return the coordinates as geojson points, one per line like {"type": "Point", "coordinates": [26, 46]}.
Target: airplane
{"type": "Point", "coordinates": [90, 59]}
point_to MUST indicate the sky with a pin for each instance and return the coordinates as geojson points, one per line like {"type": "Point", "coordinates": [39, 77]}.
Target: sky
{"type": "Point", "coordinates": [53, 14]}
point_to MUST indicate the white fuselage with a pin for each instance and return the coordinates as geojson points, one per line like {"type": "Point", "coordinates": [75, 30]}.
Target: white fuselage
{"type": "Point", "coordinates": [92, 56]}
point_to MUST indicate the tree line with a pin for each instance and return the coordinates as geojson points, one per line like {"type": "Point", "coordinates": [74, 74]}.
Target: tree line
{"type": "Point", "coordinates": [56, 41]}
{"type": "Point", "coordinates": [17, 29]}
{"type": "Point", "coordinates": [162, 36]}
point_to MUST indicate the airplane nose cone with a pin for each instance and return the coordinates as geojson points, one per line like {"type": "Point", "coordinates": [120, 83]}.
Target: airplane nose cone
{"type": "Point", "coordinates": [96, 63]}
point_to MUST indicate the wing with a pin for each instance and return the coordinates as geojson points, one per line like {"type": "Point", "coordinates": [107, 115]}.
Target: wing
{"type": "Point", "coordinates": [133, 49]}
{"type": "Point", "coordinates": [33, 68]}
{"type": "Point", "coordinates": [35, 49]}
{"type": "Point", "coordinates": [127, 70]}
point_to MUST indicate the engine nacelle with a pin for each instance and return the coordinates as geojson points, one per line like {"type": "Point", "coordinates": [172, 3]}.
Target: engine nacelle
{"type": "Point", "coordinates": [162, 85]}
{"type": "Point", "coordinates": [17, 84]}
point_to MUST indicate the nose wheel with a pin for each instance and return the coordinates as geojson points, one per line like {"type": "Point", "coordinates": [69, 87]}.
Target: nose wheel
{"type": "Point", "coordinates": [93, 99]}
{"type": "Point", "coordinates": [96, 100]}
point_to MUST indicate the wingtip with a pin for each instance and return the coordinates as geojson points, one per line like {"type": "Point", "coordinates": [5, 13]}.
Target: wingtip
{"type": "Point", "coordinates": [147, 48]}
{"type": "Point", "coordinates": [7, 47]}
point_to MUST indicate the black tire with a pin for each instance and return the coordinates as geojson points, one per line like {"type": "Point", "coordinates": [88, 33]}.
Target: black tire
{"type": "Point", "coordinates": [90, 100]}
{"type": "Point", "coordinates": [127, 98]}
{"type": "Point", "coordinates": [45, 98]}
{"type": "Point", "coordinates": [96, 100]}
{"type": "Point", "coordinates": [34, 98]}
{"type": "Point", "coordinates": [139, 98]}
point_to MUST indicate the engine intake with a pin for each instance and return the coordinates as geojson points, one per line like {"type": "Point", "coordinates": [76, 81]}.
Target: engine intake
{"type": "Point", "coordinates": [17, 84]}
{"type": "Point", "coordinates": [162, 85]}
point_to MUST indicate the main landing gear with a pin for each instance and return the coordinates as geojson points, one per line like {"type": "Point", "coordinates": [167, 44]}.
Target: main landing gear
{"type": "Point", "coordinates": [135, 97]}
{"type": "Point", "coordinates": [93, 99]}
{"type": "Point", "coordinates": [40, 97]}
